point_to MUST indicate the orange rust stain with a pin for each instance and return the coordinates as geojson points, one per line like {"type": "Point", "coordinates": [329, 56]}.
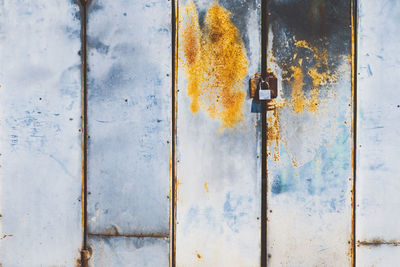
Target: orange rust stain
{"type": "Point", "coordinates": [298, 100]}
{"type": "Point", "coordinates": [206, 186]}
{"type": "Point", "coordinates": [215, 62]}
{"type": "Point", "coordinates": [304, 44]}
{"type": "Point", "coordinates": [314, 101]}
{"type": "Point", "coordinates": [191, 51]}
{"type": "Point", "coordinates": [198, 256]}
{"type": "Point", "coordinates": [177, 184]}
{"type": "Point", "coordinates": [320, 75]}
{"type": "Point", "coordinates": [276, 156]}
{"type": "Point", "coordinates": [273, 127]}
{"type": "Point", "coordinates": [295, 164]}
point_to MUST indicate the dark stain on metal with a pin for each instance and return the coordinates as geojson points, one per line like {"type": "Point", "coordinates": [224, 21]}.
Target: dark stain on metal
{"type": "Point", "coordinates": [378, 242]}
{"type": "Point", "coordinates": [264, 133]}
{"type": "Point", "coordinates": [312, 19]}
{"type": "Point", "coordinates": [322, 25]}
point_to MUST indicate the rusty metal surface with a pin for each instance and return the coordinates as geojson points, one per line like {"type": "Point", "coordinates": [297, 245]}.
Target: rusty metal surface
{"type": "Point", "coordinates": [40, 145]}
{"type": "Point", "coordinates": [378, 134]}
{"type": "Point", "coordinates": [309, 132]}
{"type": "Point", "coordinates": [218, 138]}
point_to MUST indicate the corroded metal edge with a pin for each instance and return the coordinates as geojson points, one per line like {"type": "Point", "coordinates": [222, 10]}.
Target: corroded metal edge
{"type": "Point", "coordinates": [173, 189]}
{"type": "Point", "coordinates": [353, 16]}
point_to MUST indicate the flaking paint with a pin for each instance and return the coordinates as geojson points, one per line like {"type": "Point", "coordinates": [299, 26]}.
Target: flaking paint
{"type": "Point", "coordinates": [309, 185]}
{"type": "Point", "coordinates": [215, 62]}
{"type": "Point", "coordinates": [300, 99]}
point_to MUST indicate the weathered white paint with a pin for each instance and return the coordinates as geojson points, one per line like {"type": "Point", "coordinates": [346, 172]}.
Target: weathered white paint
{"type": "Point", "coordinates": [378, 256]}
{"type": "Point", "coordinates": [310, 161]}
{"type": "Point", "coordinates": [378, 132]}
{"type": "Point", "coordinates": [308, 228]}
{"type": "Point", "coordinates": [129, 122]}
{"type": "Point", "coordinates": [128, 251]}
{"type": "Point", "coordinates": [218, 172]}
{"type": "Point", "coordinates": [40, 138]}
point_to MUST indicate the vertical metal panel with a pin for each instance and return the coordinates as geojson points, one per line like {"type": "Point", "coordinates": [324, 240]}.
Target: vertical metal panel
{"type": "Point", "coordinates": [218, 138]}
{"type": "Point", "coordinates": [129, 121]}
{"type": "Point", "coordinates": [128, 251]}
{"type": "Point", "coordinates": [378, 134]}
{"type": "Point", "coordinates": [40, 134]}
{"type": "Point", "coordinates": [310, 140]}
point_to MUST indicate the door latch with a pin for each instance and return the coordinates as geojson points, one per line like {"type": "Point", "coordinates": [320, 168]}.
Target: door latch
{"type": "Point", "coordinates": [264, 89]}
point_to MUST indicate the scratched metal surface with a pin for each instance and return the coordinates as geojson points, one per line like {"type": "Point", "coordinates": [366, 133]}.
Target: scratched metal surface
{"type": "Point", "coordinates": [218, 138]}
{"type": "Point", "coordinates": [129, 119]}
{"type": "Point", "coordinates": [378, 134]}
{"type": "Point", "coordinates": [40, 145]}
{"type": "Point", "coordinates": [310, 138]}
{"type": "Point", "coordinates": [128, 251]}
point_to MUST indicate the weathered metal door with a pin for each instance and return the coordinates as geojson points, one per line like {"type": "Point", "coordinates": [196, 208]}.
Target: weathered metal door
{"type": "Point", "coordinates": [129, 137]}
{"type": "Point", "coordinates": [219, 131]}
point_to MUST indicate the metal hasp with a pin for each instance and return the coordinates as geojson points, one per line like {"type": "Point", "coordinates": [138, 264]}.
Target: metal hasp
{"type": "Point", "coordinates": [264, 89]}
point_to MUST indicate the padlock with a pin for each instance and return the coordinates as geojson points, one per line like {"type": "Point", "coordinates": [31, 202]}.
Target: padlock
{"type": "Point", "coordinates": [263, 90]}
{"type": "Point", "coordinates": [264, 93]}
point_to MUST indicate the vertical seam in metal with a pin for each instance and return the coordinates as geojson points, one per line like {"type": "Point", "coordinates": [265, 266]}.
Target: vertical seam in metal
{"type": "Point", "coordinates": [174, 44]}
{"type": "Point", "coordinates": [264, 136]}
{"type": "Point", "coordinates": [354, 24]}
{"type": "Point", "coordinates": [83, 7]}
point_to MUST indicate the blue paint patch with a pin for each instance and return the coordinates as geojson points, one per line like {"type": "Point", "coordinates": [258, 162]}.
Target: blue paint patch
{"type": "Point", "coordinates": [255, 107]}
{"type": "Point", "coordinates": [369, 71]}
{"type": "Point", "coordinates": [123, 48]}
{"type": "Point", "coordinates": [95, 6]}
{"type": "Point", "coordinates": [77, 15]}
{"type": "Point", "coordinates": [99, 46]}
{"type": "Point", "coordinates": [375, 166]}
{"type": "Point", "coordinates": [277, 186]}
{"type": "Point", "coordinates": [310, 186]}
{"type": "Point", "coordinates": [333, 204]}
{"type": "Point", "coordinates": [232, 212]}
{"type": "Point", "coordinates": [163, 30]}
{"type": "Point", "coordinates": [72, 33]}
{"type": "Point", "coordinates": [151, 101]}
{"type": "Point", "coordinates": [150, 5]}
